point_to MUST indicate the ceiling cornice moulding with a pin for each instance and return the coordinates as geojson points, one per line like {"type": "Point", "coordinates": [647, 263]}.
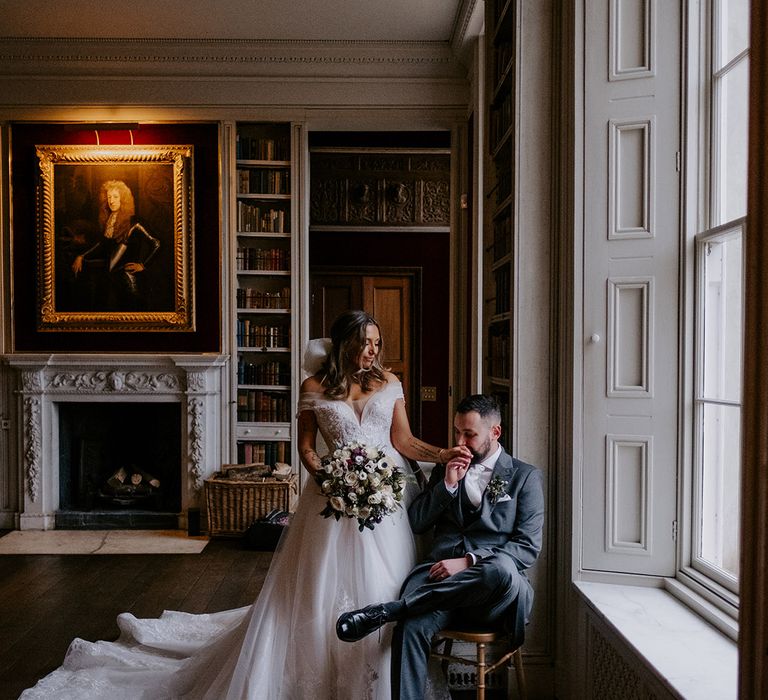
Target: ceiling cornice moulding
{"type": "Point", "coordinates": [60, 55]}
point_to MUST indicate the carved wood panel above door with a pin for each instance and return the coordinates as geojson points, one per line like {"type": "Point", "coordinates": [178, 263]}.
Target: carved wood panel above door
{"type": "Point", "coordinates": [362, 189]}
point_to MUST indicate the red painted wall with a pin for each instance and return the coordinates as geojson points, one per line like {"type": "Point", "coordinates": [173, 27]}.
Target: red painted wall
{"type": "Point", "coordinates": [206, 336]}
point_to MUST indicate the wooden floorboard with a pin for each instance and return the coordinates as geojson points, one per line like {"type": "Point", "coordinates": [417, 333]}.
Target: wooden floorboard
{"type": "Point", "coordinates": [48, 600]}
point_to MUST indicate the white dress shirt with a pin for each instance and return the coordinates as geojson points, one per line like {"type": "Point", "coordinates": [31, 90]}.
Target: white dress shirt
{"type": "Point", "coordinates": [477, 477]}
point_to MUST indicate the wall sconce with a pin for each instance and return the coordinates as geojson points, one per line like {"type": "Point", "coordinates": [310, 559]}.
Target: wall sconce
{"type": "Point", "coordinates": [105, 126]}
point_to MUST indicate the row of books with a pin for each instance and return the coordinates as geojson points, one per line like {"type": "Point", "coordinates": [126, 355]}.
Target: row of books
{"type": "Point", "coordinates": [502, 236]}
{"type": "Point", "coordinates": [503, 289]}
{"type": "Point", "coordinates": [503, 182]}
{"type": "Point", "coordinates": [253, 218]}
{"type": "Point", "coordinates": [272, 259]}
{"type": "Point", "coordinates": [261, 452]}
{"type": "Point", "coordinates": [263, 181]}
{"type": "Point", "coordinates": [503, 58]}
{"type": "Point", "coordinates": [259, 148]}
{"type": "Point", "coordinates": [258, 406]}
{"type": "Point", "coordinates": [273, 372]}
{"type": "Point", "coordinates": [499, 357]}
{"type": "Point", "coordinates": [251, 298]}
{"type": "Point", "coordinates": [256, 335]}
{"type": "Point", "coordinates": [500, 119]}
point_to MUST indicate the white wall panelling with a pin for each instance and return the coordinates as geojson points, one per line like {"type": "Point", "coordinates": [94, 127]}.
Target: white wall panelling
{"type": "Point", "coordinates": [630, 337]}
{"type": "Point", "coordinates": [632, 35]}
{"type": "Point", "coordinates": [631, 198]}
{"type": "Point", "coordinates": [628, 514]}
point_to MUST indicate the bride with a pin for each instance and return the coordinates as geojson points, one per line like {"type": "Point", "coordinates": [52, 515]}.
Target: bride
{"type": "Point", "coordinates": [283, 647]}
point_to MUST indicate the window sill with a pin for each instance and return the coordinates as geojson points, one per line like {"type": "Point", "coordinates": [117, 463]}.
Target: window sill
{"type": "Point", "coordinates": [686, 653]}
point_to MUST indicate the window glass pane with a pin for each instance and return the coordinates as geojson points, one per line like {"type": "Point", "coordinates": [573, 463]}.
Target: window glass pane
{"type": "Point", "coordinates": [734, 22]}
{"type": "Point", "coordinates": [731, 133]}
{"type": "Point", "coordinates": [721, 468]}
{"type": "Point", "coordinates": [722, 316]}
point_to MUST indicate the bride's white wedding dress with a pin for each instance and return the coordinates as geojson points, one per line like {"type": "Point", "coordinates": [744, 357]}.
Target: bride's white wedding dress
{"type": "Point", "coordinates": [283, 647]}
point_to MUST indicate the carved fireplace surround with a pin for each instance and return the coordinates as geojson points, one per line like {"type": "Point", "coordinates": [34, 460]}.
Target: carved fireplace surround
{"type": "Point", "coordinates": [45, 381]}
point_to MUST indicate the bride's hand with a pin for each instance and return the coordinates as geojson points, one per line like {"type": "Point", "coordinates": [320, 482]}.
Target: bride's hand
{"type": "Point", "coordinates": [457, 452]}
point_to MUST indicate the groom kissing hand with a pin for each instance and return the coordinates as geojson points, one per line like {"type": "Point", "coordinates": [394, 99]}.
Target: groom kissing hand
{"type": "Point", "coordinates": [486, 514]}
{"type": "Point", "coordinates": [455, 470]}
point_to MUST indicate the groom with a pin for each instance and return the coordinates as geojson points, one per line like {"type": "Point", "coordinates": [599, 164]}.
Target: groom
{"type": "Point", "coordinates": [487, 517]}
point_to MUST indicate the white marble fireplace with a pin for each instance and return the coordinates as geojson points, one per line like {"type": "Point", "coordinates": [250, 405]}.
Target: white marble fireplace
{"type": "Point", "coordinates": [46, 381]}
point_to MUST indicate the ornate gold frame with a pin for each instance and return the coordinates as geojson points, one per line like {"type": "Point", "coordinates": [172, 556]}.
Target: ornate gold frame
{"type": "Point", "coordinates": [180, 314]}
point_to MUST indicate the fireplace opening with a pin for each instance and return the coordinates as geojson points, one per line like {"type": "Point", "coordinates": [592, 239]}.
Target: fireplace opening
{"type": "Point", "coordinates": [119, 464]}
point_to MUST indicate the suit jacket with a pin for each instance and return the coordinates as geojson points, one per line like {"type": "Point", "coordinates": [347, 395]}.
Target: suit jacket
{"type": "Point", "coordinates": [509, 529]}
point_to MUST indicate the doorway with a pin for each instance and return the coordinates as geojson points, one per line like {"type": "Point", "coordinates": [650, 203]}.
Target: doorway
{"type": "Point", "coordinates": [392, 296]}
{"type": "Point", "coordinates": [380, 240]}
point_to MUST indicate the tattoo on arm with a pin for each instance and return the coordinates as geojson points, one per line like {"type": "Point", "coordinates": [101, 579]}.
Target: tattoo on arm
{"type": "Point", "coordinates": [423, 450]}
{"type": "Point", "coordinates": [311, 459]}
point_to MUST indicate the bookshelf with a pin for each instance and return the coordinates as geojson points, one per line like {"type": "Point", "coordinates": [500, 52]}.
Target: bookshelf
{"type": "Point", "coordinates": [499, 230]}
{"type": "Point", "coordinates": [264, 294]}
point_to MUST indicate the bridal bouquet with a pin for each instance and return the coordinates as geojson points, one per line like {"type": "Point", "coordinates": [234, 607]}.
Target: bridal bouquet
{"type": "Point", "coordinates": [360, 482]}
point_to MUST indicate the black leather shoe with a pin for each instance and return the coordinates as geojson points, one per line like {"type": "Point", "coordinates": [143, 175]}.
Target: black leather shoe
{"type": "Point", "coordinates": [352, 626]}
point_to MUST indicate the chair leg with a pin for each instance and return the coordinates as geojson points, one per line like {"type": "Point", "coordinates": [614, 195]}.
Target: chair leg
{"type": "Point", "coordinates": [447, 650]}
{"type": "Point", "coordinates": [520, 674]}
{"type": "Point", "coordinates": [480, 671]}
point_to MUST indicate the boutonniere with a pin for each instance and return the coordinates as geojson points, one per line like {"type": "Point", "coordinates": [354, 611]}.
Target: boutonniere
{"type": "Point", "coordinates": [496, 488]}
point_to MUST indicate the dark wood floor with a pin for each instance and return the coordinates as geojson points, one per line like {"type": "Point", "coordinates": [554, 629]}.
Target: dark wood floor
{"type": "Point", "coordinates": [47, 600]}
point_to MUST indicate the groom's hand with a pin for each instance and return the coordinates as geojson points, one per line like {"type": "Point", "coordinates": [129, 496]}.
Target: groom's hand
{"type": "Point", "coordinates": [457, 467]}
{"type": "Point", "coordinates": [447, 567]}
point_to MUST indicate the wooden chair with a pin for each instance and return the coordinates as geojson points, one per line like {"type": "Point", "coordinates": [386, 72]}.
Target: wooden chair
{"type": "Point", "coordinates": [480, 638]}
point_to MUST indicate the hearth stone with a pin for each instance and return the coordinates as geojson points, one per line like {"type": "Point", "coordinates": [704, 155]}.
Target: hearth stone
{"type": "Point", "coordinates": [116, 520]}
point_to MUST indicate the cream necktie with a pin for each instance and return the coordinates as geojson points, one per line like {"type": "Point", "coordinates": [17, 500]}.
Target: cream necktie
{"type": "Point", "coordinates": [475, 481]}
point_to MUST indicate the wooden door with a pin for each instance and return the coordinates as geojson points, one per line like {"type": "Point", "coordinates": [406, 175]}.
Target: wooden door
{"type": "Point", "coordinates": [388, 300]}
{"type": "Point", "coordinates": [331, 294]}
{"type": "Point", "coordinates": [391, 297]}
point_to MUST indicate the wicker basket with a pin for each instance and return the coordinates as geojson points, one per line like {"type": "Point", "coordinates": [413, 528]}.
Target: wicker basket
{"type": "Point", "coordinates": [234, 505]}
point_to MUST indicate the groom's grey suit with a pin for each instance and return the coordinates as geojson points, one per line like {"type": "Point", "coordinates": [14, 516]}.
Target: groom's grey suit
{"type": "Point", "coordinates": [505, 538]}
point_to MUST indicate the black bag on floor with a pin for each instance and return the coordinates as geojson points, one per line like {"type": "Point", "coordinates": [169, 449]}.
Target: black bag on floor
{"type": "Point", "coordinates": [264, 534]}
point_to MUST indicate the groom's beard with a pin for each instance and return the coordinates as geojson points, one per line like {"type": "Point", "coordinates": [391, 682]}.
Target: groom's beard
{"type": "Point", "coordinates": [481, 452]}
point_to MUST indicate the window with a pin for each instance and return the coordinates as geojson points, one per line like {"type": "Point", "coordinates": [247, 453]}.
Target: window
{"type": "Point", "coordinates": [719, 295]}
{"type": "Point", "coordinates": [717, 407]}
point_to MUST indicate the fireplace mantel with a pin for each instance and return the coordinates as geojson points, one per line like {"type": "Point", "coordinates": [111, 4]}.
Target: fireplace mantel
{"type": "Point", "coordinates": [44, 381]}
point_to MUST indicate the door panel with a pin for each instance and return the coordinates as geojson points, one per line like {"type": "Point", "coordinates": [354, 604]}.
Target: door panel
{"type": "Point", "coordinates": [388, 300]}
{"type": "Point", "coordinates": [331, 294]}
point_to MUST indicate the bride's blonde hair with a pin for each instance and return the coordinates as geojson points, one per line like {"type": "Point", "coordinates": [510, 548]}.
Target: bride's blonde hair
{"type": "Point", "coordinates": [341, 369]}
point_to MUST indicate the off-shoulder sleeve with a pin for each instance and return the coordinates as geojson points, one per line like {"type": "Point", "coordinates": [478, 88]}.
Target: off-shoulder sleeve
{"type": "Point", "coordinates": [307, 401]}
{"type": "Point", "coordinates": [397, 390]}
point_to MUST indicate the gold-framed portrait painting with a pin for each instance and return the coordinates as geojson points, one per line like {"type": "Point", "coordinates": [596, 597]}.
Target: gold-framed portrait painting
{"type": "Point", "coordinates": [115, 238]}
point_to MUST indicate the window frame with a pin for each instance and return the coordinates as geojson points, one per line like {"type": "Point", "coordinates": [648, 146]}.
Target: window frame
{"type": "Point", "coordinates": [702, 207]}
{"type": "Point", "coordinates": [699, 564]}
